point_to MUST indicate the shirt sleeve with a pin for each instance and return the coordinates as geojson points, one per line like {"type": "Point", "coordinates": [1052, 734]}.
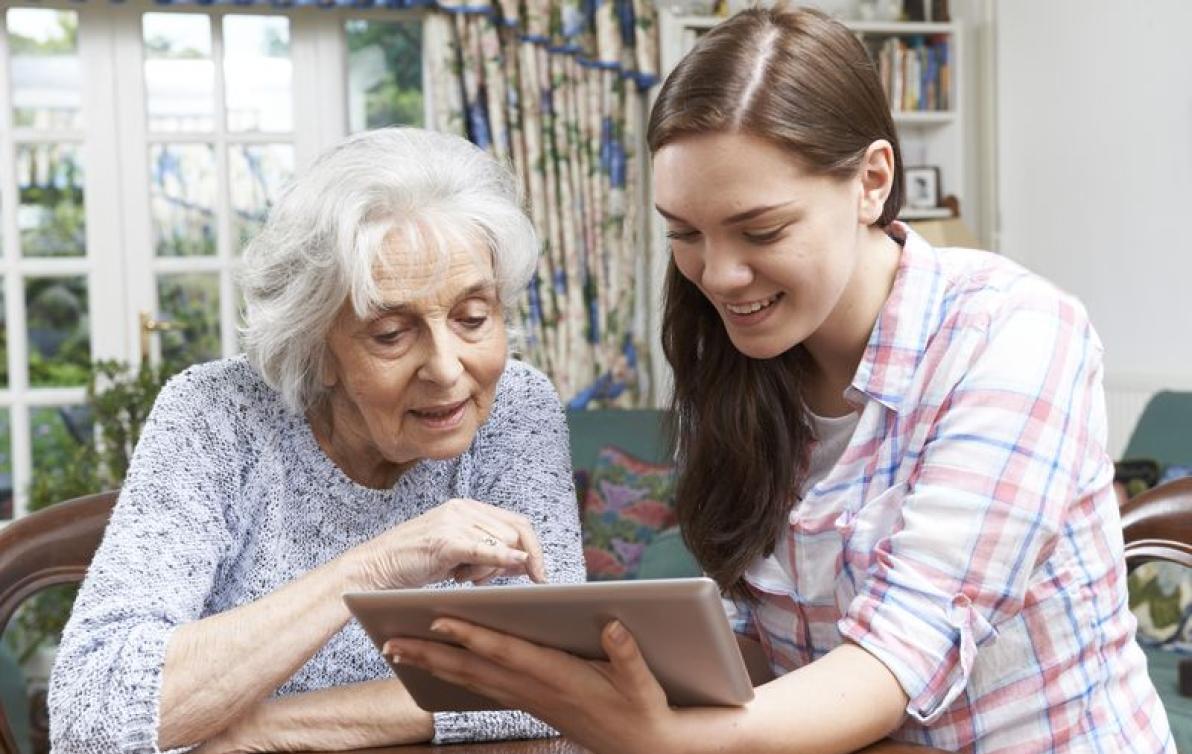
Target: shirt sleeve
{"type": "Point", "coordinates": [152, 572]}
{"type": "Point", "coordinates": [1016, 443]}
{"type": "Point", "coordinates": [524, 465]}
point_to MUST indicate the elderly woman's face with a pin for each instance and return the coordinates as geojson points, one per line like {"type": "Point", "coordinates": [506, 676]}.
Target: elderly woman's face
{"type": "Point", "coordinates": [416, 379]}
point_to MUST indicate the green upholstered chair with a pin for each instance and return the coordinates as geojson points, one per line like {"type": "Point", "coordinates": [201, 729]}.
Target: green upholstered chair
{"type": "Point", "coordinates": [1164, 431]}
{"type": "Point", "coordinates": [639, 432]}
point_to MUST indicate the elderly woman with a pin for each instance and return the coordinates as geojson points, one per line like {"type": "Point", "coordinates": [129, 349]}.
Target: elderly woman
{"type": "Point", "coordinates": [375, 436]}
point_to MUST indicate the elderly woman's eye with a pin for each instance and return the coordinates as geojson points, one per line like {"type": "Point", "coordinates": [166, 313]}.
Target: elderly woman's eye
{"type": "Point", "coordinates": [388, 337]}
{"type": "Point", "coordinates": [473, 323]}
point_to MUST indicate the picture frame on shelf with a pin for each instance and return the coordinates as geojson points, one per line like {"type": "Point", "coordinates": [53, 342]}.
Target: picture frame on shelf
{"type": "Point", "coordinates": [922, 186]}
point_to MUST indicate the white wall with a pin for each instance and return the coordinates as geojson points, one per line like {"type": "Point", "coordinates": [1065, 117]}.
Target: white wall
{"type": "Point", "coordinates": [1095, 176]}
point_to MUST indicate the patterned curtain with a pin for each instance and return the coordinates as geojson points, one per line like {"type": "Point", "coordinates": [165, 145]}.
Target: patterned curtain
{"type": "Point", "coordinates": [557, 89]}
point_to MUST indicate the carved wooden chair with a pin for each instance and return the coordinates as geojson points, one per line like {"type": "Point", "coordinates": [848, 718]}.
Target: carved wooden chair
{"type": "Point", "coordinates": [1157, 524]}
{"type": "Point", "coordinates": [52, 546]}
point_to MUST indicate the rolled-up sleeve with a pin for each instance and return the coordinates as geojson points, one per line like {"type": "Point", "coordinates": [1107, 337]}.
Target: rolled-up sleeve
{"type": "Point", "coordinates": [1016, 442]}
{"type": "Point", "coordinates": [152, 572]}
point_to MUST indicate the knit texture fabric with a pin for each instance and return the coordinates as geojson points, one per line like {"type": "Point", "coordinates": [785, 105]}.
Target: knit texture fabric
{"type": "Point", "coordinates": [229, 497]}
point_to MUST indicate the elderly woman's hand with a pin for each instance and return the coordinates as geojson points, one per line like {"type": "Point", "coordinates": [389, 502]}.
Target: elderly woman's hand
{"type": "Point", "coordinates": [464, 539]}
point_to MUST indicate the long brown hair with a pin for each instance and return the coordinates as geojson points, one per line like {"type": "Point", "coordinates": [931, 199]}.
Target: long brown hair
{"type": "Point", "coordinates": [804, 82]}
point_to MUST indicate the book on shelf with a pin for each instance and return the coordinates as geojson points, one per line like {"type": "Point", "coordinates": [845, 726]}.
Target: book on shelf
{"type": "Point", "coordinates": [915, 71]}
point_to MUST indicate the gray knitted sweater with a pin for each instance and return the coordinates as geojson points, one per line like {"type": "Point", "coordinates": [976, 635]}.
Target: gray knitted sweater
{"type": "Point", "coordinates": [229, 497]}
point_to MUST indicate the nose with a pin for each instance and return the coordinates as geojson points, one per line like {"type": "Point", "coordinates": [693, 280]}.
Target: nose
{"type": "Point", "coordinates": [441, 362]}
{"type": "Point", "coordinates": [724, 271]}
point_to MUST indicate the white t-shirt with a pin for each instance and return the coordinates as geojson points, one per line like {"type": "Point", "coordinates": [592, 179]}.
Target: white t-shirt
{"type": "Point", "coordinates": [832, 434]}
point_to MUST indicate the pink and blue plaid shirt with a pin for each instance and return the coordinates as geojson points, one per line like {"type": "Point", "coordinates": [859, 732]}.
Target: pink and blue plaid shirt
{"type": "Point", "coordinates": [968, 537]}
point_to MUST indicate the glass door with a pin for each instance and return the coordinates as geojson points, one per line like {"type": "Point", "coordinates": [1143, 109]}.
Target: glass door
{"type": "Point", "coordinates": [59, 236]}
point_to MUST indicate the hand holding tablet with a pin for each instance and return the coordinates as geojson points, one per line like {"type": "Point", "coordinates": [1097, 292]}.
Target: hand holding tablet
{"type": "Point", "coordinates": [679, 625]}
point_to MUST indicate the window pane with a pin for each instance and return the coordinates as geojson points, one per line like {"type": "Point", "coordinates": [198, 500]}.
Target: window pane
{"type": "Point", "coordinates": [5, 467]}
{"type": "Point", "coordinates": [46, 76]}
{"type": "Point", "coordinates": [182, 188]}
{"type": "Point", "coordinates": [50, 212]}
{"type": "Point", "coordinates": [59, 331]}
{"type": "Point", "coordinates": [179, 72]}
{"type": "Point", "coordinates": [190, 301]}
{"type": "Point", "coordinates": [257, 73]}
{"type": "Point", "coordinates": [58, 433]}
{"type": "Point", "coordinates": [384, 73]}
{"type": "Point", "coordinates": [257, 172]}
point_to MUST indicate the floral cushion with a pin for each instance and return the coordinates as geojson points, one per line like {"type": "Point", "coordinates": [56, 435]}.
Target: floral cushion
{"type": "Point", "coordinates": [628, 501]}
{"type": "Point", "coordinates": [1161, 600]}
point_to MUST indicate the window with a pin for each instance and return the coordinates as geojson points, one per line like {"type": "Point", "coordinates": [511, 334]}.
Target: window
{"type": "Point", "coordinates": [142, 148]}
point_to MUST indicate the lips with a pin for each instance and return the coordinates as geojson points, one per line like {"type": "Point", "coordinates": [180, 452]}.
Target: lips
{"type": "Point", "coordinates": [441, 411]}
{"type": "Point", "coordinates": [752, 307]}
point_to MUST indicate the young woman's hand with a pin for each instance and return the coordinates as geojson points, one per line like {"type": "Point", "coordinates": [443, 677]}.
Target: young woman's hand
{"type": "Point", "coordinates": [464, 539]}
{"type": "Point", "coordinates": [614, 706]}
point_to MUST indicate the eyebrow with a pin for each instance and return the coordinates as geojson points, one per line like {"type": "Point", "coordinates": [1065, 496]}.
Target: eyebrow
{"type": "Point", "coordinates": [740, 217]}
{"type": "Point", "coordinates": [486, 288]}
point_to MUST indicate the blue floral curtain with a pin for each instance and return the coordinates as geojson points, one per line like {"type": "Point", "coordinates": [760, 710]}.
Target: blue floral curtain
{"type": "Point", "coordinates": [557, 88]}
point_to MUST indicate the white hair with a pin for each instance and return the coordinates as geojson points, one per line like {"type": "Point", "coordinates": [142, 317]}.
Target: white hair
{"type": "Point", "coordinates": [322, 243]}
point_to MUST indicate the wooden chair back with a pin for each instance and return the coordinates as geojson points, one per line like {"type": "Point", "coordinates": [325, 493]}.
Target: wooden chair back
{"type": "Point", "coordinates": [52, 546]}
{"type": "Point", "coordinates": [1157, 524]}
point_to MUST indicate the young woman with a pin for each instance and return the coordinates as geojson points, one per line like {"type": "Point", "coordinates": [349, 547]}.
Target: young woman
{"type": "Point", "coordinates": [891, 456]}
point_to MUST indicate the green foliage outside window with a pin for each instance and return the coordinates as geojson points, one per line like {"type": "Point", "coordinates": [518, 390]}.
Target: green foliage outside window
{"type": "Point", "coordinates": [62, 233]}
{"type": "Point", "coordinates": [397, 98]}
{"type": "Point", "coordinates": [59, 331]}
{"type": "Point", "coordinates": [191, 302]}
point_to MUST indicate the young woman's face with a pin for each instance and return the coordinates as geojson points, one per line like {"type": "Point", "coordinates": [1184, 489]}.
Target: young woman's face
{"type": "Point", "coordinates": [773, 247]}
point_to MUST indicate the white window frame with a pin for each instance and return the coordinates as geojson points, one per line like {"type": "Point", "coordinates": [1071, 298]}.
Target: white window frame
{"type": "Point", "coordinates": [120, 266]}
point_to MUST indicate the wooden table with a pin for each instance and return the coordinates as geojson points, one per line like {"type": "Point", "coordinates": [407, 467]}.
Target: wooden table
{"type": "Point", "coordinates": [563, 746]}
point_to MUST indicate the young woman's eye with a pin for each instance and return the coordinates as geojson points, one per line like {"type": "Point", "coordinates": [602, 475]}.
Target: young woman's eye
{"type": "Point", "coordinates": [768, 236]}
{"type": "Point", "coordinates": [682, 236]}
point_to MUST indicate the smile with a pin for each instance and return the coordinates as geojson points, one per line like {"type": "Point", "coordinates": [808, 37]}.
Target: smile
{"type": "Point", "coordinates": [752, 307]}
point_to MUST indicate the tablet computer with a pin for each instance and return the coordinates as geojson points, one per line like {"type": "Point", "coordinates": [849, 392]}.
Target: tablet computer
{"type": "Point", "coordinates": [679, 624]}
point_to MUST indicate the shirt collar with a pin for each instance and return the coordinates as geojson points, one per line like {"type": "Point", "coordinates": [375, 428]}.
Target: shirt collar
{"type": "Point", "coordinates": [910, 316]}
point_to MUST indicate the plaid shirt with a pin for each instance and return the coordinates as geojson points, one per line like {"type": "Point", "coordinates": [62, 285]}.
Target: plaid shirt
{"type": "Point", "coordinates": [968, 537]}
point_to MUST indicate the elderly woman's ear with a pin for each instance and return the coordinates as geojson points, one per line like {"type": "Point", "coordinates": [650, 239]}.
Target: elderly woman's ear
{"type": "Point", "coordinates": [330, 376]}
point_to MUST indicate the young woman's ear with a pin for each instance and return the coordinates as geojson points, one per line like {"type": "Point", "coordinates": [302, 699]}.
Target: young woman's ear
{"type": "Point", "coordinates": [877, 178]}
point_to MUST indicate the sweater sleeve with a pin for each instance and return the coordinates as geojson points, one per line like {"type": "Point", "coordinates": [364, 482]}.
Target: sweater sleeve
{"type": "Point", "coordinates": [524, 465]}
{"type": "Point", "coordinates": [153, 571]}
